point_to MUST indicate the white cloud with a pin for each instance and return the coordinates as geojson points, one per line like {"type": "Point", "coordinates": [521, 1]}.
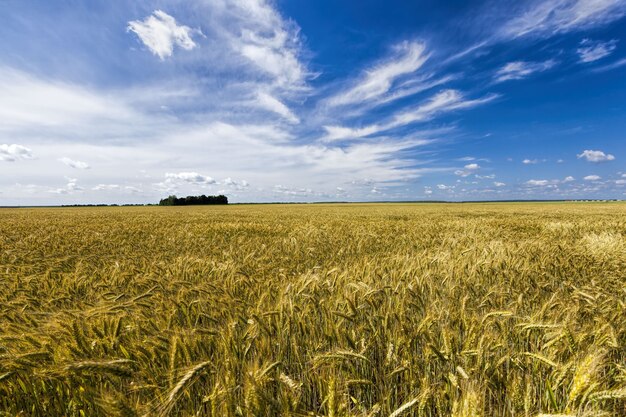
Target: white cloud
{"type": "Point", "coordinates": [34, 107]}
{"type": "Point", "coordinates": [14, 152]}
{"type": "Point", "coordinates": [190, 177]}
{"type": "Point", "coordinates": [160, 33]}
{"type": "Point", "coordinates": [518, 70]}
{"type": "Point", "coordinates": [530, 161]}
{"type": "Point", "coordinates": [268, 102]}
{"type": "Point", "coordinates": [445, 187]}
{"type": "Point", "coordinates": [592, 178]}
{"type": "Point", "coordinates": [595, 156]}
{"type": "Point", "coordinates": [268, 41]}
{"type": "Point", "coordinates": [538, 183]}
{"type": "Point", "coordinates": [442, 102]}
{"type": "Point", "coordinates": [239, 185]}
{"type": "Point", "coordinates": [569, 179]}
{"type": "Point", "coordinates": [342, 132]}
{"type": "Point", "coordinates": [290, 191]}
{"type": "Point", "coordinates": [613, 65]}
{"type": "Point", "coordinates": [74, 164]}
{"type": "Point", "coordinates": [590, 51]}
{"type": "Point", "coordinates": [106, 187]}
{"type": "Point", "coordinates": [561, 16]}
{"type": "Point", "coordinates": [499, 184]}
{"type": "Point", "coordinates": [620, 182]}
{"type": "Point", "coordinates": [467, 170]}
{"type": "Point", "coordinates": [70, 188]}
{"type": "Point", "coordinates": [378, 81]}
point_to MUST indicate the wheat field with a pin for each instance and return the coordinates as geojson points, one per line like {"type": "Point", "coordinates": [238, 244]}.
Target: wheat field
{"type": "Point", "coordinates": [314, 310]}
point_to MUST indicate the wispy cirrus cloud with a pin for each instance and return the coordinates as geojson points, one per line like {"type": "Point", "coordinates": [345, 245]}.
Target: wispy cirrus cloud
{"type": "Point", "coordinates": [442, 102]}
{"type": "Point", "coordinates": [258, 32]}
{"type": "Point", "coordinates": [377, 81]}
{"type": "Point", "coordinates": [268, 102]}
{"type": "Point", "coordinates": [546, 18]}
{"type": "Point", "coordinates": [518, 70]}
{"type": "Point", "coordinates": [160, 32]}
{"type": "Point", "coordinates": [617, 64]}
{"type": "Point", "coordinates": [590, 51]}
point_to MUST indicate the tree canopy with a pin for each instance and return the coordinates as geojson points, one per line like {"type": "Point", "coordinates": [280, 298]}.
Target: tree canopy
{"type": "Point", "coordinates": [192, 200]}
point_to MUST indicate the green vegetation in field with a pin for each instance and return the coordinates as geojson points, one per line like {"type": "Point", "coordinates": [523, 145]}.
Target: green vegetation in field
{"type": "Point", "coordinates": [314, 310]}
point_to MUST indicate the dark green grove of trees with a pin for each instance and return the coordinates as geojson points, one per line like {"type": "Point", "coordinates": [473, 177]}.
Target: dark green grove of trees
{"type": "Point", "coordinates": [193, 200]}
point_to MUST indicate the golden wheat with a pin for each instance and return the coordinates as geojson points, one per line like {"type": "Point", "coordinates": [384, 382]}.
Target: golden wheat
{"type": "Point", "coordinates": [314, 310]}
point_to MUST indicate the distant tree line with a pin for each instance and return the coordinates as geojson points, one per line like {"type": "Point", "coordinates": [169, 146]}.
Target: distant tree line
{"type": "Point", "coordinates": [193, 200]}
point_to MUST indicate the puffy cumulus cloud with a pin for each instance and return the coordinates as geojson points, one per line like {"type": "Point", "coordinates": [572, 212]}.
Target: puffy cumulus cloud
{"type": "Point", "coordinates": [74, 164]}
{"type": "Point", "coordinates": [499, 184]}
{"type": "Point", "coordinates": [590, 51]}
{"type": "Point", "coordinates": [569, 178]}
{"type": "Point", "coordinates": [530, 161]}
{"type": "Point", "coordinates": [595, 156]}
{"type": "Point", "coordinates": [467, 170]}
{"type": "Point", "coordinates": [293, 191]}
{"type": "Point", "coordinates": [70, 188]}
{"type": "Point", "coordinates": [519, 69]}
{"type": "Point", "coordinates": [190, 177]}
{"type": "Point", "coordinates": [445, 187]}
{"type": "Point", "coordinates": [160, 33]}
{"type": "Point", "coordinates": [592, 178]}
{"type": "Point", "coordinates": [239, 185]}
{"type": "Point", "coordinates": [538, 183]}
{"type": "Point", "coordinates": [14, 152]}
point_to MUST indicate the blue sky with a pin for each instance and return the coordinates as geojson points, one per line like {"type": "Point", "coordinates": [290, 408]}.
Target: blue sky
{"type": "Point", "coordinates": [296, 100]}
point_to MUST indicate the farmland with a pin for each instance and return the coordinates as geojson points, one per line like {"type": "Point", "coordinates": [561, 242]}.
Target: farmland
{"type": "Point", "coordinates": [322, 310]}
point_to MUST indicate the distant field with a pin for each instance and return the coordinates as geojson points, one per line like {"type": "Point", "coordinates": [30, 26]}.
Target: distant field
{"type": "Point", "coordinates": [321, 310]}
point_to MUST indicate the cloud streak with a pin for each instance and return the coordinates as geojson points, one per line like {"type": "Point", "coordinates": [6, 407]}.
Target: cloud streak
{"type": "Point", "coordinates": [591, 51]}
{"type": "Point", "coordinates": [377, 81]}
{"type": "Point", "coordinates": [442, 102]}
{"type": "Point", "coordinates": [518, 70]}
{"type": "Point", "coordinates": [547, 18]}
